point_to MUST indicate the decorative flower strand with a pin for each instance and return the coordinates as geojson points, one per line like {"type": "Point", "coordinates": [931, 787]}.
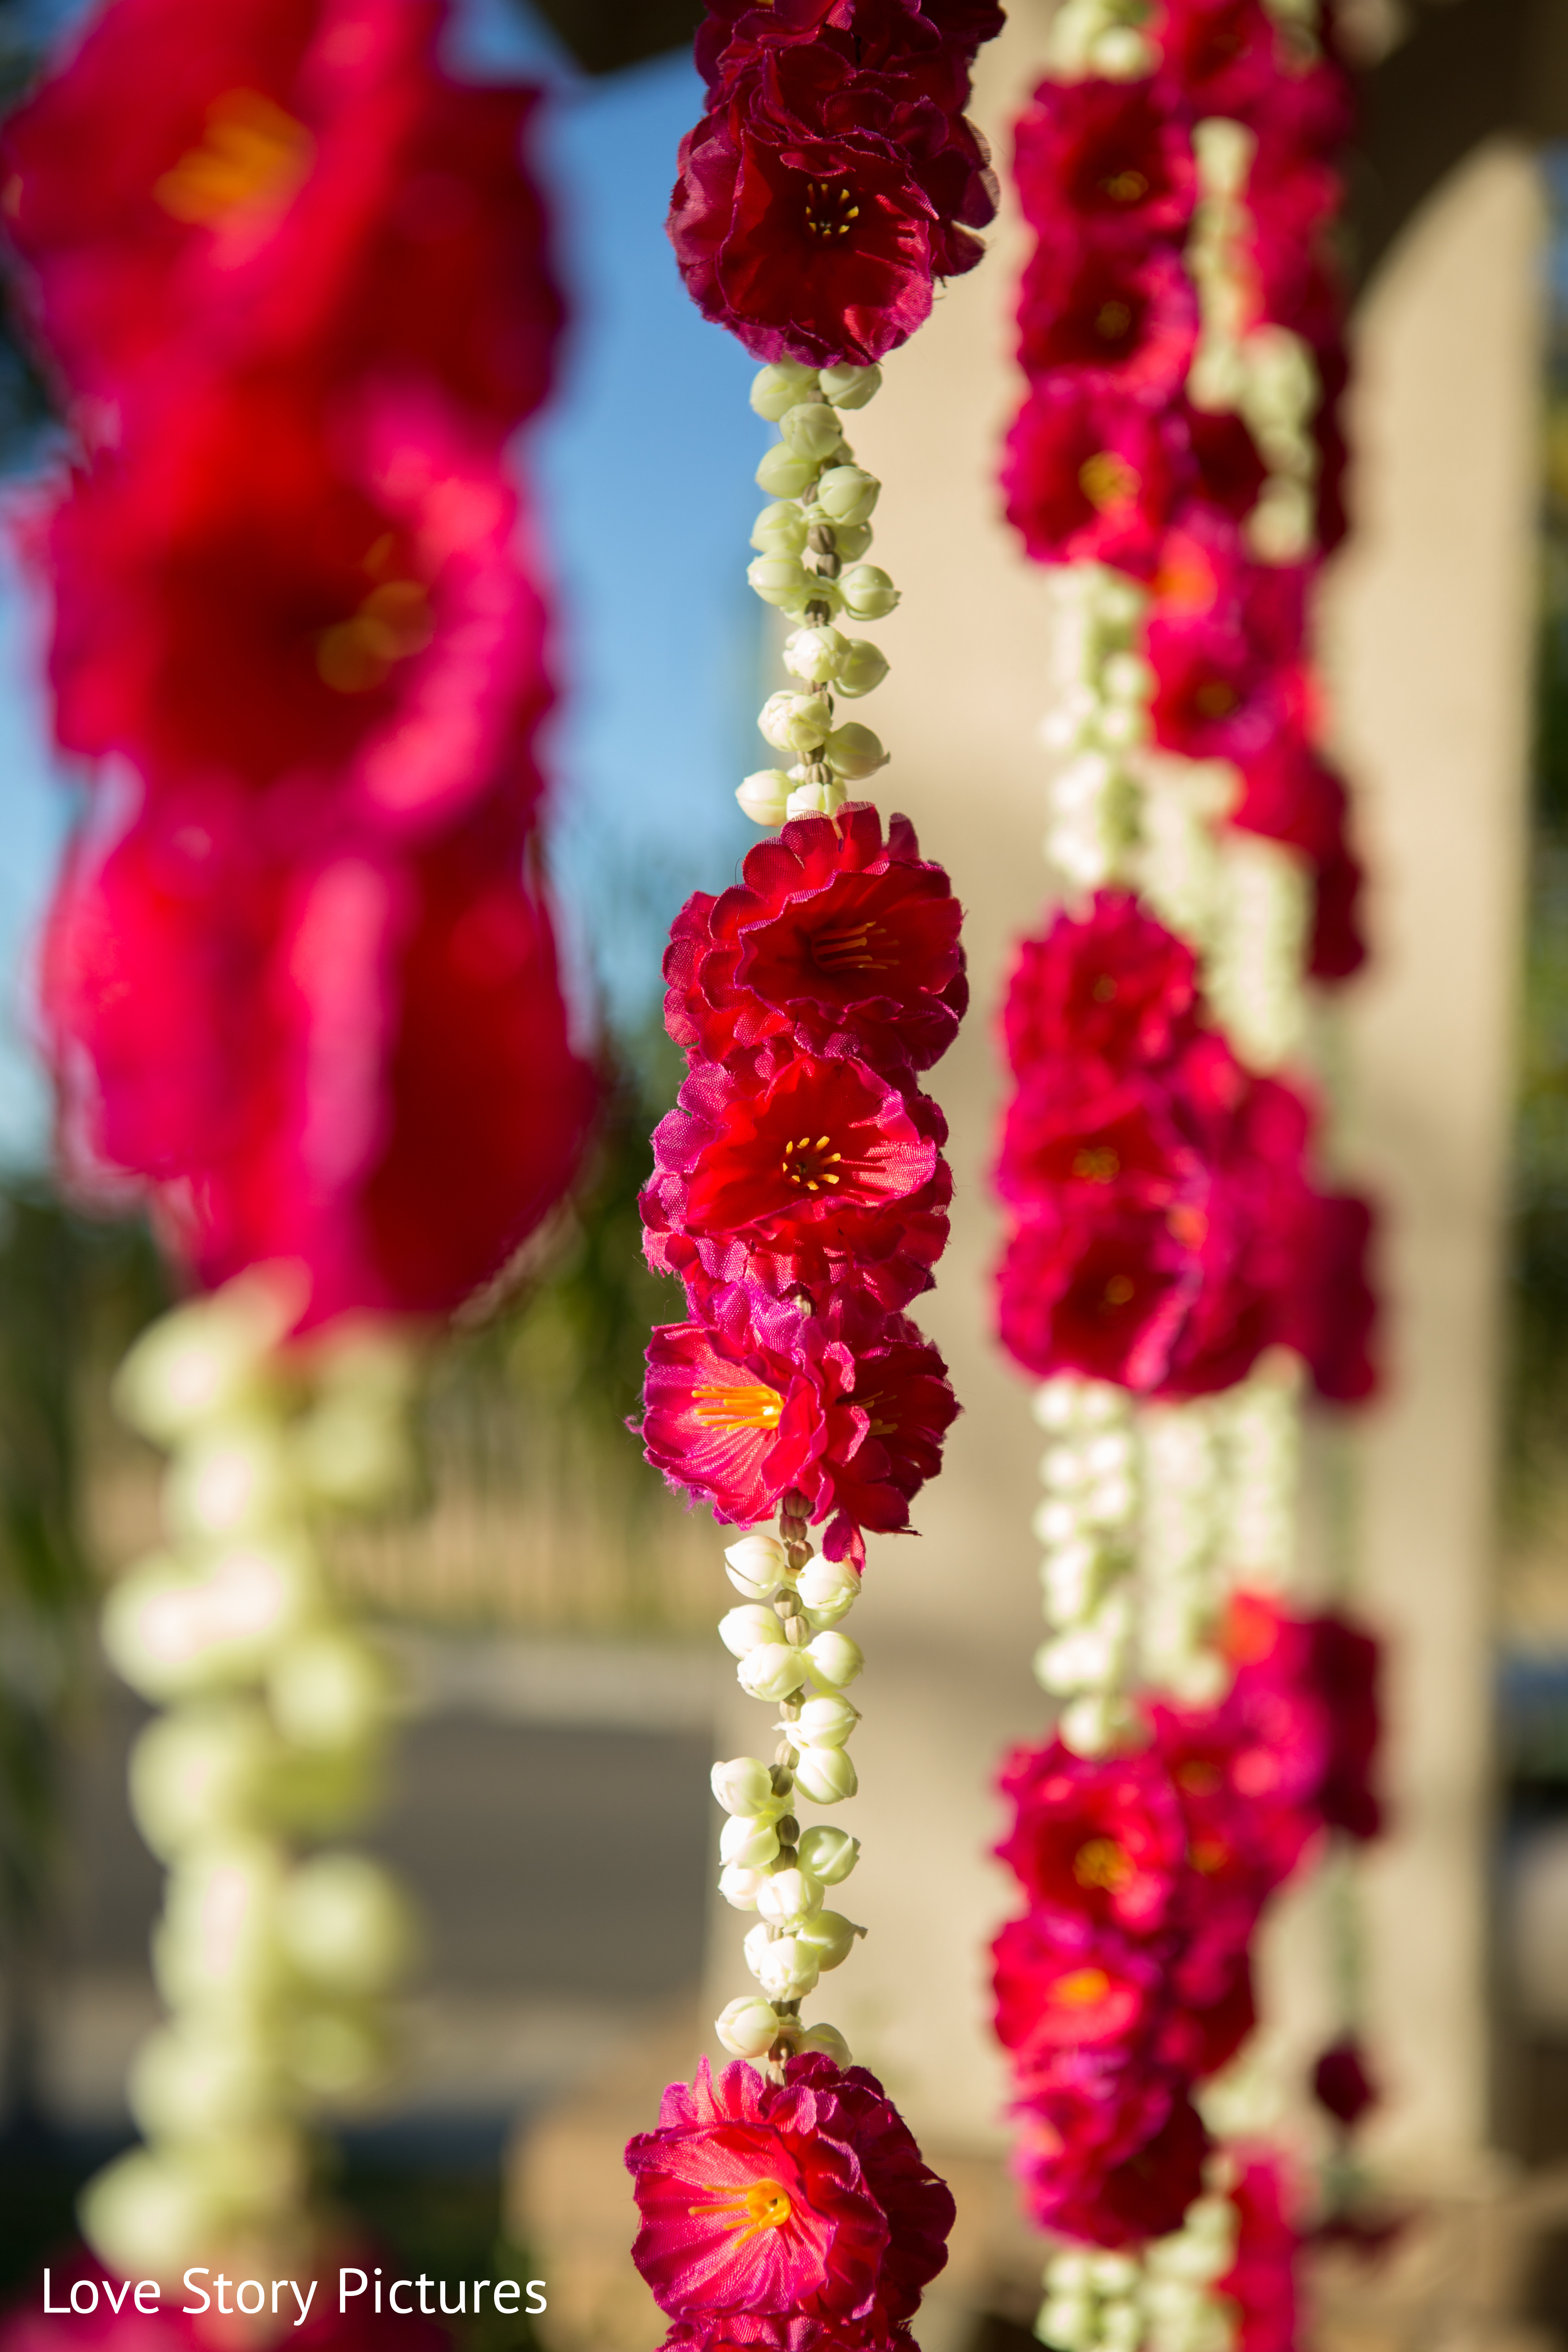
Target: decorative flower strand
{"type": "Point", "coordinates": [1174, 1265]}
{"type": "Point", "coordinates": [799, 1190]}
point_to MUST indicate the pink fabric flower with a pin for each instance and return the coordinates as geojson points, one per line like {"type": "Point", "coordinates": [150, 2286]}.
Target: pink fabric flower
{"type": "Point", "coordinates": [1112, 987]}
{"type": "Point", "coordinates": [1093, 1844]}
{"type": "Point", "coordinates": [1116, 156]}
{"type": "Point", "coordinates": [833, 942]}
{"type": "Point", "coordinates": [1262, 2282]}
{"type": "Point", "coordinates": [1114, 320]}
{"type": "Point", "coordinates": [1089, 476]}
{"type": "Point", "coordinates": [798, 2215]}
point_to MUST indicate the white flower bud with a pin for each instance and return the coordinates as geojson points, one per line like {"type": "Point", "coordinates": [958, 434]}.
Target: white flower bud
{"type": "Point", "coordinates": [829, 1938]}
{"type": "Point", "coordinates": [783, 475]}
{"type": "Point", "coordinates": [780, 530]}
{"type": "Point", "coordinates": [789, 1897]}
{"type": "Point", "coordinates": [747, 2027]}
{"type": "Point", "coordinates": [835, 1659]}
{"type": "Point", "coordinates": [851, 387]}
{"type": "Point", "coordinates": [826, 1722]}
{"type": "Point", "coordinates": [823, 2042]}
{"type": "Point", "coordinates": [771, 1671]}
{"type": "Point", "coordinates": [740, 1886]}
{"type": "Point", "coordinates": [823, 1621]}
{"type": "Point", "coordinates": [816, 654]}
{"type": "Point", "coordinates": [796, 722]}
{"type": "Point", "coordinates": [780, 579]}
{"type": "Point", "coordinates": [847, 494]}
{"type": "Point", "coordinates": [757, 1565]}
{"type": "Point", "coordinates": [868, 592]}
{"type": "Point", "coordinates": [851, 539]}
{"type": "Point", "coordinates": [865, 668]}
{"type": "Point", "coordinates": [745, 1785]}
{"type": "Point", "coordinates": [343, 1921]}
{"type": "Point", "coordinates": [1090, 1726]}
{"type": "Point", "coordinates": [764, 798]}
{"type": "Point", "coordinates": [777, 389]}
{"type": "Point", "coordinates": [749, 1839]}
{"type": "Point", "coordinates": [854, 751]}
{"type": "Point", "coordinates": [329, 1690]}
{"type": "Point", "coordinates": [811, 430]}
{"type": "Point", "coordinates": [826, 1775]}
{"type": "Point", "coordinates": [741, 1629]}
{"type": "Point", "coordinates": [829, 1854]}
{"type": "Point", "coordinates": [826, 1583]}
{"type": "Point", "coordinates": [784, 1966]}
{"type": "Point", "coordinates": [817, 800]}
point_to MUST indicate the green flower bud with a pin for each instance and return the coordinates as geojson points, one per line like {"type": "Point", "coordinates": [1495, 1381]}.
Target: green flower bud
{"type": "Point", "coordinates": [817, 800]}
{"type": "Point", "coordinates": [835, 1659]}
{"type": "Point", "coordinates": [780, 530]}
{"type": "Point", "coordinates": [829, 1938]}
{"type": "Point", "coordinates": [796, 722]}
{"type": "Point", "coordinates": [776, 389]}
{"type": "Point", "coordinates": [868, 591]}
{"type": "Point", "coordinates": [788, 1897]}
{"type": "Point", "coordinates": [816, 654]}
{"type": "Point", "coordinates": [826, 1775]}
{"type": "Point", "coordinates": [783, 475]}
{"type": "Point", "coordinates": [345, 1923]}
{"type": "Point", "coordinates": [749, 2026]}
{"type": "Point", "coordinates": [827, 1721]}
{"type": "Point", "coordinates": [851, 387]}
{"type": "Point", "coordinates": [779, 579]}
{"type": "Point", "coordinates": [771, 1671]}
{"type": "Point", "coordinates": [829, 1854]}
{"type": "Point", "coordinates": [824, 2041]}
{"type": "Point", "coordinates": [851, 539]}
{"type": "Point", "coordinates": [749, 1839]}
{"type": "Point", "coordinates": [846, 494]}
{"type": "Point", "coordinates": [764, 796]}
{"type": "Point", "coordinates": [811, 431]}
{"type": "Point", "coordinates": [864, 667]}
{"type": "Point", "coordinates": [744, 1784]}
{"type": "Point", "coordinates": [854, 751]}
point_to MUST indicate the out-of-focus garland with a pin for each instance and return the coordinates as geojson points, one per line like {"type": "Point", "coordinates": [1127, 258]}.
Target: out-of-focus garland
{"type": "Point", "coordinates": [300, 976]}
{"type": "Point", "coordinates": [799, 1190]}
{"type": "Point", "coordinates": [1176, 1268]}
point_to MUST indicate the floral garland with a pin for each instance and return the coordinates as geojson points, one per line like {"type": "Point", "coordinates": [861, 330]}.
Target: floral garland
{"type": "Point", "coordinates": [1176, 1267]}
{"type": "Point", "coordinates": [298, 977]}
{"type": "Point", "coordinates": [799, 1191]}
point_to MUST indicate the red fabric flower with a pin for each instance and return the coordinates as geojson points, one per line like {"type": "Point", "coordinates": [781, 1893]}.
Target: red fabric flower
{"type": "Point", "coordinates": [1104, 1294]}
{"type": "Point", "coordinates": [1091, 477]}
{"type": "Point", "coordinates": [1097, 2192]}
{"type": "Point", "coordinates": [338, 617]}
{"type": "Point", "coordinates": [825, 1173]}
{"type": "Point", "coordinates": [1111, 987]}
{"type": "Point", "coordinates": [1052, 1994]}
{"type": "Point", "coordinates": [1117, 320]}
{"type": "Point", "coordinates": [847, 1406]}
{"type": "Point", "coordinates": [1093, 1844]}
{"type": "Point", "coordinates": [833, 942]}
{"type": "Point", "coordinates": [1341, 2083]}
{"type": "Point", "coordinates": [818, 204]}
{"type": "Point", "coordinates": [1225, 642]}
{"type": "Point", "coordinates": [797, 2214]}
{"type": "Point", "coordinates": [292, 180]}
{"type": "Point", "coordinates": [1262, 2282]}
{"type": "Point", "coordinates": [930, 46]}
{"type": "Point", "coordinates": [1116, 155]}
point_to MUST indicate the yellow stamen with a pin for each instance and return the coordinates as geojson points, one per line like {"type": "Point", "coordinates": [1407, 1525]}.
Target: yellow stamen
{"type": "Point", "coordinates": [1108, 481]}
{"type": "Point", "coordinates": [765, 2205]}
{"type": "Point", "coordinates": [740, 1407]}
{"type": "Point", "coordinates": [1081, 1988]}
{"type": "Point", "coordinates": [252, 153]}
{"type": "Point", "coordinates": [1100, 1861]}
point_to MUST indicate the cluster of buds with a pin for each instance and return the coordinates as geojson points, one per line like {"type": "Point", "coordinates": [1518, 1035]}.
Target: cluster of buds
{"type": "Point", "coordinates": [791, 1653]}
{"type": "Point", "coordinates": [1104, 39]}
{"type": "Point", "coordinates": [1097, 722]}
{"type": "Point", "coordinates": [810, 543]}
{"type": "Point", "coordinates": [1087, 1525]}
{"type": "Point", "coordinates": [276, 1709]}
{"type": "Point", "coordinates": [1163, 2298]}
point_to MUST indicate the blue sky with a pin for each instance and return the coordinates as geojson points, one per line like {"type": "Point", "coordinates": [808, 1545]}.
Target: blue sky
{"type": "Point", "coordinates": [642, 469]}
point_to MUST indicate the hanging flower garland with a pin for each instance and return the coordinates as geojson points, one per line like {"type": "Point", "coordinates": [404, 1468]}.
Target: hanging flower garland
{"type": "Point", "coordinates": [298, 976]}
{"type": "Point", "coordinates": [1175, 1265]}
{"type": "Point", "coordinates": [799, 1191]}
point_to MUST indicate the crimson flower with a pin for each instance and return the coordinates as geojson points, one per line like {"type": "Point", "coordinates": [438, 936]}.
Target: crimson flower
{"type": "Point", "coordinates": [797, 2215]}
{"type": "Point", "coordinates": [1052, 1994]}
{"type": "Point", "coordinates": [1262, 2282]}
{"type": "Point", "coordinates": [1091, 476]}
{"type": "Point", "coordinates": [1341, 2083]}
{"type": "Point", "coordinates": [1116, 154]}
{"type": "Point", "coordinates": [1228, 670]}
{"type": "Point", "coordinates": [927, 44]}
{"type": "Point", "coordinates": [1225, 56]}
{"type": "Point", "coordinates": [331, 609]}
{"type": "Point", "coordinates": [1112, 986]}
{"type": "Point", "coordinates": [1094, 1842]}
{"type": "Point", "coordinates": [833, 942]}
{"type": "Point", "coordinates": [1227, 467]}
{"type": "Point", "coordinates": [295, 183]}
{"type": "Point", "coordinates": [1136, 2186]}
{"type": "Point", "coordinates": [1118, 318]}
{"type": "Point", "coordinates": [824, 1173]}
{"type": "Point", "coordinates": [1077, 1143]}
{"type": "Point", "coordinates": [848, 1406]}
{"type": "Point", "coordinates": [1101, 1292]}
{"type": "Point", "coordinates": [818, 206]}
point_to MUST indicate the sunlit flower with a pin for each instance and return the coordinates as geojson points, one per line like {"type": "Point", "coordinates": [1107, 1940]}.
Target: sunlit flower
{"type": "Point", "coordinates": [1116, 154]}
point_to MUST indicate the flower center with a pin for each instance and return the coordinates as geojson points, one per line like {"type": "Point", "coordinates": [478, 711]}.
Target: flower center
{"type": "Point", "coordinates": [810, 1164]}
{"type": "Point", "coordinates": [1098, 1164]}
{"type": "Point", "coordinates": [847, 947]}
{"type": "Point", "coordinates": [1100, 1861]}
{"type": "Point", "coordinates": [1208, 1855]}
{"type": "Point", "coordinates": [755, 1407]}
{"type": "Point", "coordinates": [1215, 699]}
{"type": "Point", "coordinates": [868, 1404]}
{"type": "Point", "coordinates": [1111, 321]}
{"type": "Point", "coordinates": [830, 207]}
{"type": "Point", "coordinates": [1081, 1988]}
{"type": "Point", "coordinates": [1108, 481]}
{"type": "Point", "coordinates": [1104, 989]}
{"type": "Point", "coordinates": [252, 153]}
{"type": "Point", "coordinates": [1119, 1289]}
{"type": "Point", "coordinates": [1128, 188]}
{"type": "Point", "coordinates": [765, 2205]}
{"type": "Point", "coordinates": [392, 622]}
